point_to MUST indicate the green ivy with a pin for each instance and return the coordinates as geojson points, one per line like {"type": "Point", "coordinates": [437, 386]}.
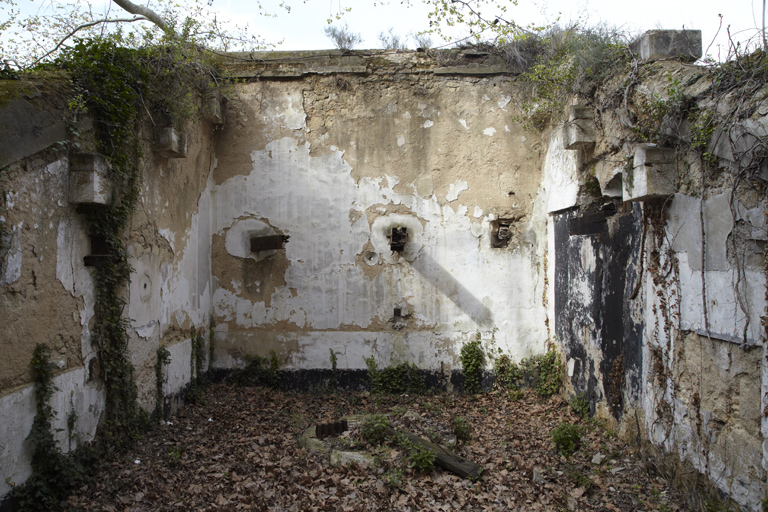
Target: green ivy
{"type": "Point", "coordinates": [54, 474]}
{"type": "Point", "coordinates": [163, 359]}
{"type": "Point", "coordinates": [197, 359]}
{"type": "Point", "coordinates": [472, 361]}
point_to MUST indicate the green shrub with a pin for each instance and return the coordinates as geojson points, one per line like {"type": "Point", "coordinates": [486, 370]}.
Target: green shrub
{"type": "Point", "coordinates": [508, 374]}
{"type": "Point", "coordinates": [580, 404]}
{"type": "Point", "coordinates": [395, 379]}
{"type": "Point", "coordinates": [374, 429]}
{"type": "Point", "coordinates": [567, 438]}
{"type": "Point", "coordinates": [472, 358]}
{"type": "Point", "coordinates": [257, 373]}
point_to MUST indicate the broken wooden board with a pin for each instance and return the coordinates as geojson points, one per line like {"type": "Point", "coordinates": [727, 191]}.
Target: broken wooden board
{"type": "Point", "coordinates": [443, 457]}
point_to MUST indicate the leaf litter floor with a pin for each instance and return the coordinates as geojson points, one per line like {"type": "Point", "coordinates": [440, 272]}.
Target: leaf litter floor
{"type": "Point", "coordinates": [238, 449]}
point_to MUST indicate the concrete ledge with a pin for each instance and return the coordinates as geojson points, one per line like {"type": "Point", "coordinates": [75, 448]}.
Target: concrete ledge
{"type": "Point", "coordinates": [170, 143]}
{"type": "Point", "coordinates": [683, 45]}
{"type": "Point", "coordinates": [652, 175]}
{"type": "Point", "coordinates": [579, 131]}
{"type": "Point", "coordinates": [473, 70]}
{"type": "Point", "coordinates": [88, 180]}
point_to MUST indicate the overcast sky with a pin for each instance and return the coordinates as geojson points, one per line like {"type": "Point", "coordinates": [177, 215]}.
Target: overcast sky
{"type": "Point", "coordinates": [302, 28]}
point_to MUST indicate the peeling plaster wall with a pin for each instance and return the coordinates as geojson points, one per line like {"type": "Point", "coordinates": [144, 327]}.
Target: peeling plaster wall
{"type": "Point", "coordinates": [675, 286]}
{"type": "Point", "coordinates": [335, 169]}
{"type": "Point", "coordinates": [657, 306]}
{"type": "Point", "coordinates": [47, 294]}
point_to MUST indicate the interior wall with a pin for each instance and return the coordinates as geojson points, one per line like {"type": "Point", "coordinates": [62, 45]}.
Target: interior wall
{"type": "Point", "coordinates": [335, 166]}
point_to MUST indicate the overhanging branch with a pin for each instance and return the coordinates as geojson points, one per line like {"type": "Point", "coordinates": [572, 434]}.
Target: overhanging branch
{"type": "Point", "coordinates": [144, 11]}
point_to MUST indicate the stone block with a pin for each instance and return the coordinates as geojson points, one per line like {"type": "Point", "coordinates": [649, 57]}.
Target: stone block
{"type": "Point", "coordinates": [89, 181]}
{"type": "Point", "coordinates": [170, 143]}
{"type": "Point", "coordinates": [652, 175]}
{"type": "Point", "coordinates": [212, 111]}
{"type": "Point", "coordinates": [579, 131]}
{"type": "Point", "coordinates": [684, 45]}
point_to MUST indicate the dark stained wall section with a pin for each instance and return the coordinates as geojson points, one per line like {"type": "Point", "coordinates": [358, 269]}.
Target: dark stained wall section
{"type": "Point", "coordinates": [598, 315]}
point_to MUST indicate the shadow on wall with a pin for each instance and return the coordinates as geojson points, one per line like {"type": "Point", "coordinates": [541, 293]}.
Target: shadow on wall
{"type": "Point", "coordinates": [454, 290]}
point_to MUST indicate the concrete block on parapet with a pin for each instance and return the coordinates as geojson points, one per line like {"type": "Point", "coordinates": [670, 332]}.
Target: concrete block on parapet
{"type": "Point", "coordinates": [683, 45]}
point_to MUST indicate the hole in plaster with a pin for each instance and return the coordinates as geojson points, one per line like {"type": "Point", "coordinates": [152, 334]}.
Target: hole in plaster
{"type": "Point", "coordinates": [268, 243]}
{"type": "Point", "coordinates": [398, 313]}
{"type": "Point", "coordinates": [398, 238]}
{"type": "Point", "coordinates": [500, 232]}
{"type": "Point", "coordinates": [510, 193]}
{"type": "Point", "coordinates": [371, 258]}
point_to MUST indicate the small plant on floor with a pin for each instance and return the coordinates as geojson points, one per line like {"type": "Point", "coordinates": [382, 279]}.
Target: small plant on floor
{"type": "Point", "coordinates": [422, 459]}
{"type": "Point", "coordinates": [461, 429]}
{"type": "Point", "coordinates": [393, 478]}
{"type": "Point", "coordinates": [395, 379]}
{"type": "Point", "coordinates": [567, 438]}
{"type": "Point", "coordinates": [579, 478]}
{"type": "Point", "coordinates": [374, 429]}
{"type": "Point", "coordinates": [472, 364]}
{"type": "Point", "coordinates": [580, 405]}
{"type": "Point", "coordinates": [174, 456]}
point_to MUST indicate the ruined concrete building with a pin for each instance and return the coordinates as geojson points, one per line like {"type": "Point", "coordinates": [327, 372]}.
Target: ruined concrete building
{"type": "Point", "coordinates": [395, 204]}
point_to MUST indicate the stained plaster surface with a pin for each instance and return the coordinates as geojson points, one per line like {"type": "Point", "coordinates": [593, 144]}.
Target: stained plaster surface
{"type": "Point", "coordinates": [340, 172]}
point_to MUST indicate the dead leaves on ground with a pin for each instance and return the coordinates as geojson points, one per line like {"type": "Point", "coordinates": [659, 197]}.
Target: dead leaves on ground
{"type": "Point", "coordinates": [238, 450]}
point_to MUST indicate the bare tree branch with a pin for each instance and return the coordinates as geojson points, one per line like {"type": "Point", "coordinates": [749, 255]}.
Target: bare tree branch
{"type": "Point", "coordinates": [86, 25]}
{"type": "Point", "coordinates": [144, 11]}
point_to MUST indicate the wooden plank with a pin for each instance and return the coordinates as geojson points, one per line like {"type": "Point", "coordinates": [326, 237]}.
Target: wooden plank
{"type": "Point", "coordinates": [443, 457]}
